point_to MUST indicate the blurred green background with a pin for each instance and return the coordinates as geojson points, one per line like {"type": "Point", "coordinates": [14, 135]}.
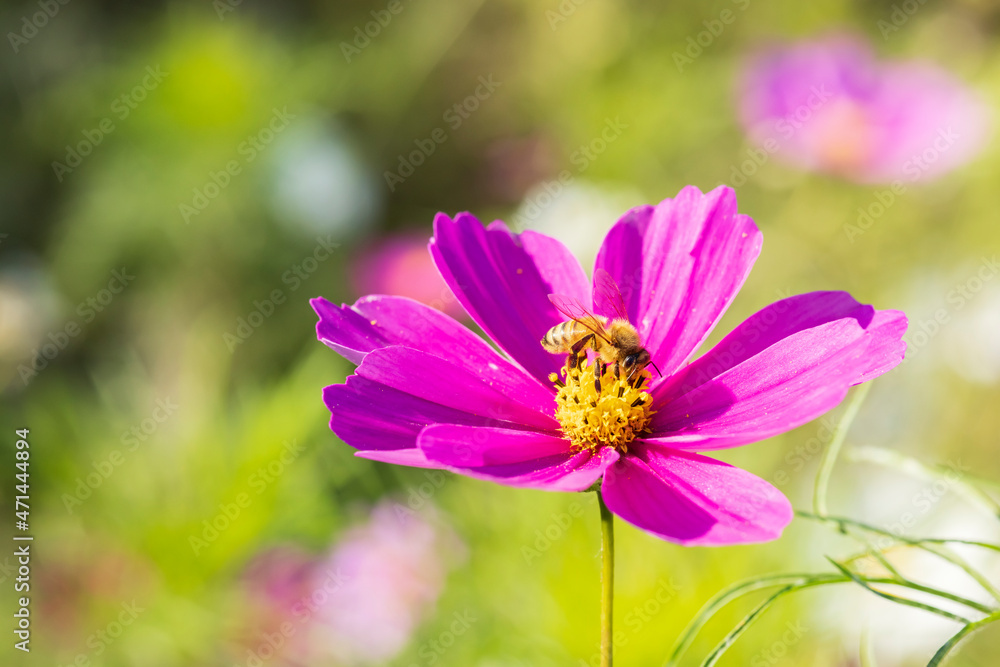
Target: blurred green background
{"type": "Point", "coordinates": [226, 143]}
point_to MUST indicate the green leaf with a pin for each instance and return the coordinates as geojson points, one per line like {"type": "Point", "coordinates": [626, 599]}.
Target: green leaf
{"type": "Point", "coordinates": [943, 652]}
{"type": "Point", "coordinates": [934, 546]}
{"type": "Point", "coordinates": [733, 592]}
{"type": "Point", "coordinates": [897, 599]}
{"type": "Point", "coordinates": [907, 540]}
{"type": "Point", "coordinates": [793, 582]}
{"type": "Point", "coordinates": [735, 633]}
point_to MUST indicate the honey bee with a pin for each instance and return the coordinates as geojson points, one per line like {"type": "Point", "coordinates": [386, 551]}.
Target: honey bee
{"type": "Point", "coordinates": [614, 339]}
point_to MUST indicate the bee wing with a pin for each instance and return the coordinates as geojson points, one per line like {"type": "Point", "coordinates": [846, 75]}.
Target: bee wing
{"type": "Point", "coordinates": [607, 297]}
{"type": "Point", "coordinates": [576, 311]}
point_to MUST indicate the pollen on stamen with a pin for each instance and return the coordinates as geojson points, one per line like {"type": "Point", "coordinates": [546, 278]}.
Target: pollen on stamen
{"type": "Point", "coordinates": [597, 412]}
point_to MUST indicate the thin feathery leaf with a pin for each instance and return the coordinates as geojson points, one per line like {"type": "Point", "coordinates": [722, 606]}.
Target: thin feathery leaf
{"type": "Point", "coordinates": [733, 592]}
{"type": "Point", "coordinates": [935, 546]}
{"type": "Point", "coordinates": [735, 633]}
{"type": "Point", "coordinates": [943, 652]}
{"type": "Point", "coordinates": [790, 583]}
{"type": "Point", "coordinates": [906, 540]}
{"type": "Point", "coordinates": [896, 598]}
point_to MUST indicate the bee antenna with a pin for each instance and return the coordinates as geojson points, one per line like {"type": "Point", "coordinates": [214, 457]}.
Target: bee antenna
{"type": "Point", "coordinates": [657, 369]}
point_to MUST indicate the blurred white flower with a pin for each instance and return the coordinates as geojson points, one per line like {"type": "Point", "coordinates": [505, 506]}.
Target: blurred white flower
{"type": "Point", "coordinates": [28, 305]}
{"type": "Point", "coordinates": [972, 340]}
{"type": "Point", "coordinates": [320, 185]}
{"type": "Point", "coordinates": [954, 318]}
{"type": "Point", "coordinates": [576, 212]}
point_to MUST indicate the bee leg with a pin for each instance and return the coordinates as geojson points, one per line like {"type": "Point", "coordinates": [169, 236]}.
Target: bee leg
{"type": "Point", "coordinates": [582, 343]}
{"type": "Point", "coordinates": [618, 371]}
{"type": "Point", "coordinates": [577, 350]}
{"type": "Point", "coordinates": [599, 368]}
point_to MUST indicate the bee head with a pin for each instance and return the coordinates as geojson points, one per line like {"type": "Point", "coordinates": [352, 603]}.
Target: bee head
{"type": "Point", "coordinates": [636, 361]}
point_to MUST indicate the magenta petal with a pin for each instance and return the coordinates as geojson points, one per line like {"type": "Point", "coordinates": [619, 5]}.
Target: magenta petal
{"type": "Point", "coordinates": [401, 457]}
{"type": "Point", "coordinates": [378, 321]}
{"type": "Point", "coordinates": [371, 416]}
{"type": "Point", "coordinates": [784, 366]}
{"type": "Point", "coordinates": [503, 281]}
{"type": "Point", "coordinates": [679, 265]}
{"type": "Point", "coordinates": [693, 500]}
{"type": "Point", "coordinates": [514, 458]}
{"type": "Point", "coordinates": [490, 393]}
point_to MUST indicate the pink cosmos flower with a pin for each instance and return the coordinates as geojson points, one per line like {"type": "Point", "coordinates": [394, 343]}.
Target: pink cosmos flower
{"type": "Point", "coordinates": [429, 392]}
{"type": "Point", "coordinates": [828, 105]}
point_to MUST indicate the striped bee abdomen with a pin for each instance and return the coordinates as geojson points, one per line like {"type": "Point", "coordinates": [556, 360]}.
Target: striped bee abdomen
{"type": "Point", "coordinates": [562, 337]}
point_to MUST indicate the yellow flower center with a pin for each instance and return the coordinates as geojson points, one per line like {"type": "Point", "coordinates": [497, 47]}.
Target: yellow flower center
{"type": "Point", "coordinates": [610, 412]}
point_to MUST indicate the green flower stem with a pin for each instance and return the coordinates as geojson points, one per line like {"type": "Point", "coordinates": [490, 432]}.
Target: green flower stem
{"type": "Point", "coordinates": [867, 650]}
{"type": "Point", "coordinates": [607, 580]}
{"type": "Point", "coordinates": [830, 455]}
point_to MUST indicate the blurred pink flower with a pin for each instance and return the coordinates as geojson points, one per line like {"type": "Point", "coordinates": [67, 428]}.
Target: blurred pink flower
{"type": "Point", "coordinates": [278, 578]}
{"type": "Point", "coordinates": [828, 105]}
{"type": "Point", "coordinates": [359, 605]}
{"type": "Point", "coordinates": [401, 265]}
{"type": "Point", "coordinates": [390, 573]}
{"type": "Point", "coordinates": [275, 585]}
